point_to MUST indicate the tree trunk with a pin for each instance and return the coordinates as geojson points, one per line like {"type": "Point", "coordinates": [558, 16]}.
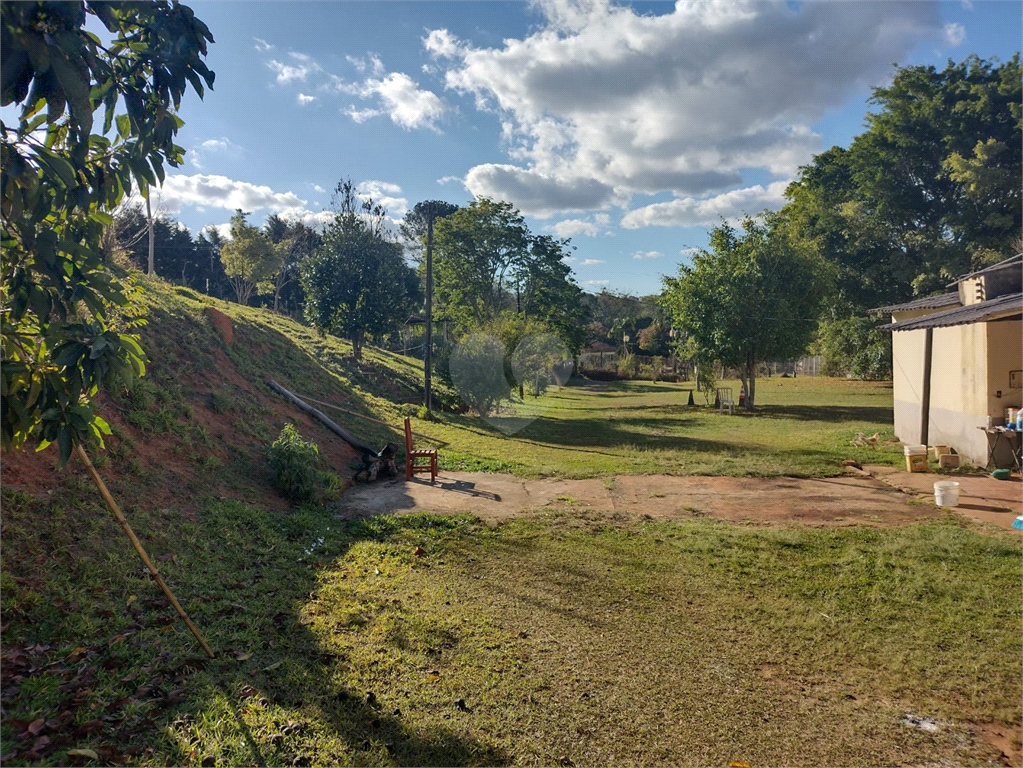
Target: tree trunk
{"type": "Point", "coordinates": [152, 240]}
{"type": "Point", "coordinates": [357, 345]}
{"type": "Point", "coordinates": [751, 378]}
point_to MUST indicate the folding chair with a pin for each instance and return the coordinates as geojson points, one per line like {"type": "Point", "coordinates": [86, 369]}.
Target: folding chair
{"type": "Point", "coordinates": [412, 466]}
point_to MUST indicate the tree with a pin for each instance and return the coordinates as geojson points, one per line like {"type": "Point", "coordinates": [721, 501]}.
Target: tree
{"type": "Point", "coordinates": [357, 283]}
{"type": "Point", "coordinates": [536, 359]}
{"type": "Point", "coordinates": [249, 259]}
{"type": "Point", "coordinates": [545, 290]}
{"type": "Point", "coordinates": [65, 317]}
{"type": "Point", "coordinates": [930, 190]}
{"type": "Point", "coordinates": [295, 242]}
{"type": "Point", "coordinates": [416, 223]}
{"type": "Point", "coordinates": [207, 248]}
{"type": "Point", "coordinates": [755, 296]}
{"type": "Point", "coordinates": [855, 346]}
{"type": "Point", "coordinates": [477, 372]}
{"type": "Point", "coordinates": [477, 247]}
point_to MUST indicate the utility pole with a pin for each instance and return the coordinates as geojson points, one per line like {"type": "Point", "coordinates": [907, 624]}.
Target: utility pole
{"type": "Point", "coordinates": [429, 309]}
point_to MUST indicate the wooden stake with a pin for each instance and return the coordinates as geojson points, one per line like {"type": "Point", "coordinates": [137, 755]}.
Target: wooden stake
{"type": "Point", "coordinates": [138, 547]}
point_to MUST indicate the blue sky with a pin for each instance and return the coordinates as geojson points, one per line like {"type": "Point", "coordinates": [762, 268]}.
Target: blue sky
{"type": "Point", "coordinates": [631, 128]}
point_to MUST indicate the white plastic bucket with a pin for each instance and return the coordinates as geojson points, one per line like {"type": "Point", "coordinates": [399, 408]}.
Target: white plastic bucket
{"type": "Point", "coordinates": [946, 493]}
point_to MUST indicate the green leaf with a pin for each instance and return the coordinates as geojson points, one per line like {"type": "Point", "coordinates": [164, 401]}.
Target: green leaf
{"type": "Point", "coordinates": [65, 444]}
{"type": "Point", "coordinates": [123, 126]}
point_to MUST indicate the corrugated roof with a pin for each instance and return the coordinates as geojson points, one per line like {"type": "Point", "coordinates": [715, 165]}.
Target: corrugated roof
{"type": "Point", "coordinates": [993, 268]}
{"type": "Point", "coordinates": [1003, 306]}
{"type": "Point", "coordinates": [928, 302]}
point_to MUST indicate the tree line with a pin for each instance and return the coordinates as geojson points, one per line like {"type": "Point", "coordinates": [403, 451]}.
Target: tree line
{"type": "Point", "coordinates": [929, 191]}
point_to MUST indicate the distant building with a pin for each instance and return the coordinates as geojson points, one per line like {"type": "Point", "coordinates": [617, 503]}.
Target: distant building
{"type": "Point", "coordinates": [957, 360]}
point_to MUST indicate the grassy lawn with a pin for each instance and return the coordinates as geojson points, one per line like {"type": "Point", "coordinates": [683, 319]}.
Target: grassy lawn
{"type": "Point", "coordinates": [802, 427]}
{"type": "Point", "coordinates": [558, 639]}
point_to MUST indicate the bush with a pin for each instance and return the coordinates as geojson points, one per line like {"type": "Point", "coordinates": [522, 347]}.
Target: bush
{"type": "Point", "coordinates": [628, 366]}
{"type": "Point", "coordinates": [293, 461]}
{"type": "Point", "coordinates": [477, 371]}
{"type": "Point", "coordinates": [855, 346]}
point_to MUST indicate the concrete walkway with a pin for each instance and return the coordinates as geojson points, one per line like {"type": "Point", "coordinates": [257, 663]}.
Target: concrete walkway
{"type": "Point", "coordinates": [880, 495]}
{"type": "Point", "coordinates": [847, 500]}
{"type": "Point", "coordinates": [981, 497]}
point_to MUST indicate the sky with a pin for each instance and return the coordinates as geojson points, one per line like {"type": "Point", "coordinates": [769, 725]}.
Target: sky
{"type": "Point", "coordinates": [630, 128]}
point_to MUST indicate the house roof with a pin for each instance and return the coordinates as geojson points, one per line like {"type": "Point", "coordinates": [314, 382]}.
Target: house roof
{"type": "Point", "coordinates": [993, 268]}
{"type": "Point", "coordinates": [994, 309]}
{"type": "Point", "coordinates": [928, 302]}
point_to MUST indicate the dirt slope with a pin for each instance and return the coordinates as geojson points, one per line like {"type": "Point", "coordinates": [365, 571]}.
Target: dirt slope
{"type": "Point", "coordinates": [198, 425]}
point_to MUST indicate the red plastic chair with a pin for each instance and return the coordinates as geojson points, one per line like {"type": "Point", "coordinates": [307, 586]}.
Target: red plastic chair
{"type": "Point", "coordinates": [413, 458]}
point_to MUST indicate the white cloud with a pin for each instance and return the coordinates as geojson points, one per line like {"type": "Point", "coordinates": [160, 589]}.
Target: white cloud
{"type": "Point", "coordinates": [288, 72]}
{"type": "Point", "coordinates": [691, 212]}
{"type": "Point", "coordinates": [200, 155]}
{"type": "Point", "coordinates": [954, 34]}
{"type": "Point", "coordinates": [386, 194]}
{"type": "Point", "coordinates": [688, 101]}
{"type": "Point", "coordinates": [591, 262]}
{"type": "Point", "coordinates": [535, 193]}
{"type": "Point", "coordinates": [318, 188]}
{"type": "Point", "coordinates": [442, 44]}
{"type": "Point", "coordinates": [648, 255]}
{"type": "Point", "coordinates": [221, 192]}
{"type": "Point", "coordinates": [402, 100]}
{"type": "Point", "coordinates": [224, 230]}
{"type": "Point", "coordinates": [262, 45]}
{"type": "Point", "coordinates": [397, 95]}
{"type": "Point", "coordinates": [573, 227]}
{"type": "Point", "coordinates": [361, 115]}
{"type": "Point", "coordinates": [449, 179]}
{"type": "Point", "coordinates": [597, 282]}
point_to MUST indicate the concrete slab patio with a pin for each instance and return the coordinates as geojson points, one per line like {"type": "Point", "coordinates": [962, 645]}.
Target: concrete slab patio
{"type": "Point", "coordinates": [981, 497]}
{"type": "Point", "coordinates": [847, 500]}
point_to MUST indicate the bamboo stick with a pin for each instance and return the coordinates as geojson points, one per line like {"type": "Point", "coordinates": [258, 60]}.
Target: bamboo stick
{"type": "Point", "coordinates": [138, 547]}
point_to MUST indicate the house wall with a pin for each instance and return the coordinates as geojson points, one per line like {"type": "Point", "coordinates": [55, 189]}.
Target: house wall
{"type": "Point", "coordinates": [959, 390]}
{"type": "Point", "coordinates": [970, 364]}
{"type": "Point", "coordinates": [1005, 353]}
{"type": "Point", "coordinates": [907, 382]}
{"type": "Point", "coordinates": [908, 376]}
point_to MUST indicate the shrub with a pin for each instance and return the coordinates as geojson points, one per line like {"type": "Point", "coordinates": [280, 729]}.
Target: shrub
{"type": "Point", "coordinates": [855, 346]}
{"type": "Point", "coordinates": [477, 371]}
{"type": "Point", "coordinates": [293, 461]}
{"type": "Point", "coordinates": [628, 366]}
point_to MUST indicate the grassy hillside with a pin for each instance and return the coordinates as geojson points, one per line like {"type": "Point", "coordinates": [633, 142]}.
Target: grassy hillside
{"type": "Point", "coordinates": [198, 424]}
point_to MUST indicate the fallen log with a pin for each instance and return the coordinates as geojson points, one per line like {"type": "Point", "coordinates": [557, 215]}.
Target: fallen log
{"type": "Point", "coordinates": [373, 462]}
{"type": "Point", "coordinates": [344, 434]}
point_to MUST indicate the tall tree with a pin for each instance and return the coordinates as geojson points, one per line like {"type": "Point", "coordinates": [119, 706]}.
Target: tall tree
{"type": "Point", "coordinates": [545, 290]}
{"type": "Point", "coordinates": [61, 332]}
{"type": "Point", "coordinates": [930, 190]}
{"type": "Point", "coordinates": [249, 259]}
{"type": "Point", "coordinates": [214, 281]}
{"type": "Point", "coordinates": [477, 249]}
{"type": "Point", "coordinates": [756, 295]}
{"type": "Point", "coordinates": [357, 283]}
{"type": "Point", "coordinates": [416, 222]}
{"type": "Point", "coordinates": [295, 242]}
